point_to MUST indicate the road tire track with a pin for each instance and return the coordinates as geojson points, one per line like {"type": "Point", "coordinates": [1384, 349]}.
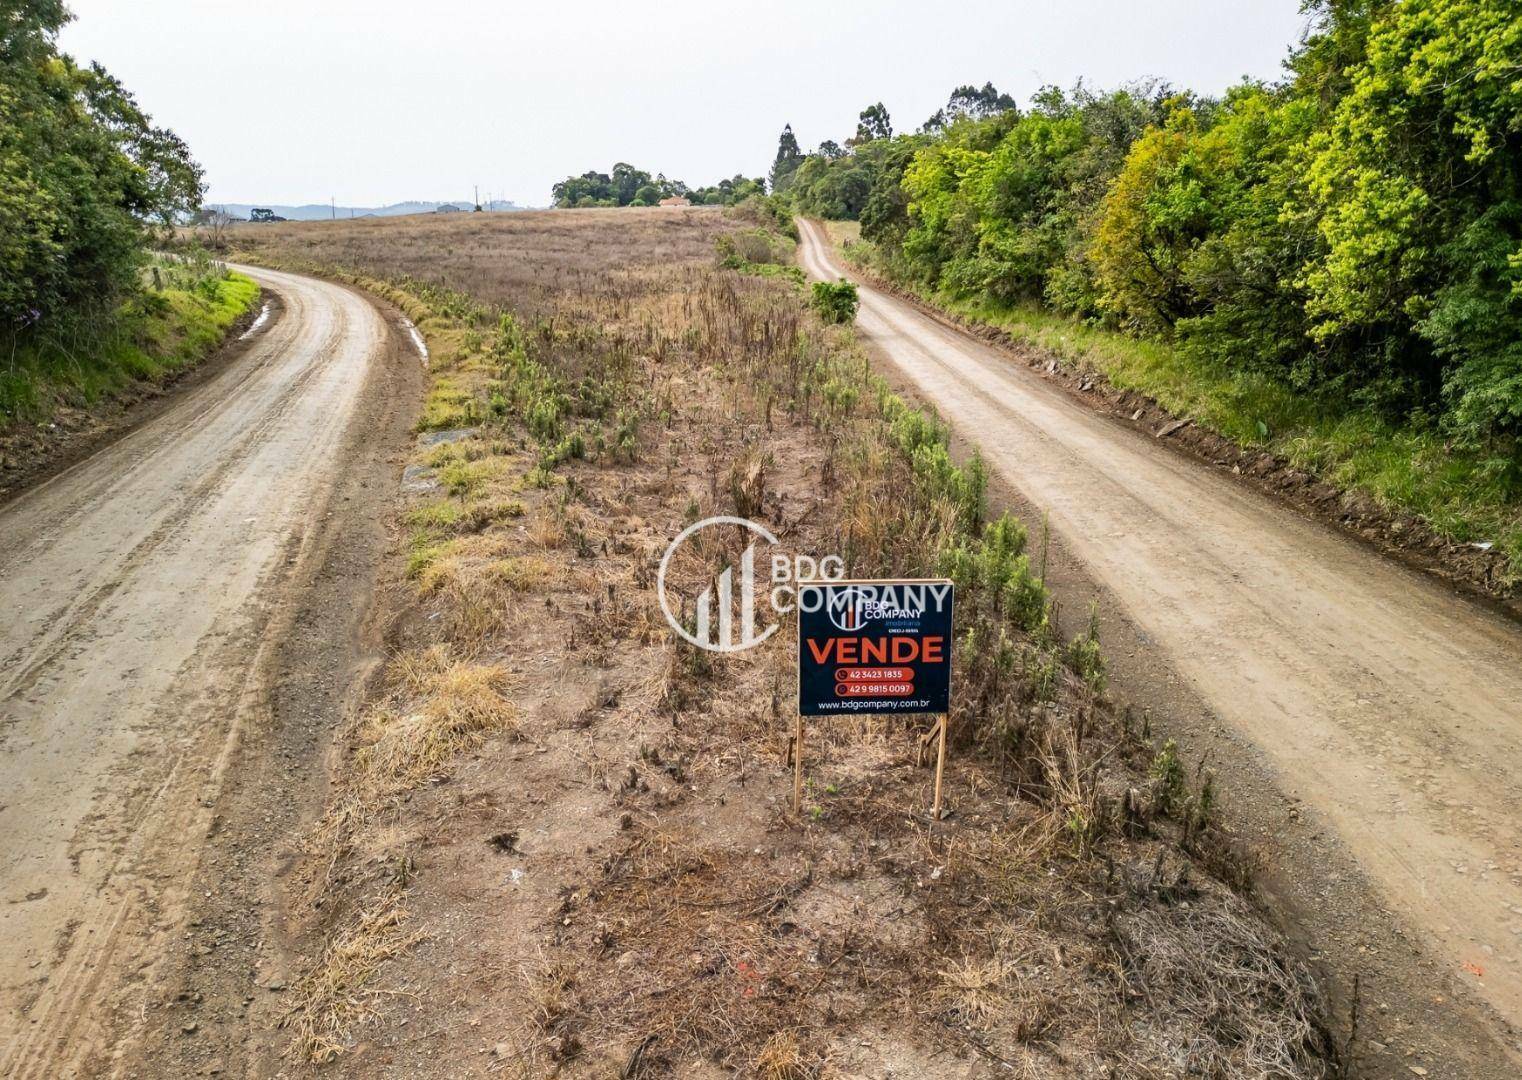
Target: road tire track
{"type": "Point", "coordinates": [148, 590]}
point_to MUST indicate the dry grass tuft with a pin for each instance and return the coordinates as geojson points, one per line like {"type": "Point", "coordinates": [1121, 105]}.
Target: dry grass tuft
{"type": "Point", "coordinates": [524, 573]}
{"type": "Point", "coordinates": [438, 707]}
{"type": "Point", "coordinates": [1230, 1005]}
{"type": "Point", "coordinates": [454, 704]}
{"type": "Point", "coordinates": [336, 995]}
{"type": "Point", "coordinates": [782, 1058]}
{"type": "Point", "coordinates": [975, 989]}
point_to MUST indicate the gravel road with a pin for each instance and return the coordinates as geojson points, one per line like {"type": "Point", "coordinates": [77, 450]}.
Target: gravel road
{"type": "Point", "coordinates": [144, 592]}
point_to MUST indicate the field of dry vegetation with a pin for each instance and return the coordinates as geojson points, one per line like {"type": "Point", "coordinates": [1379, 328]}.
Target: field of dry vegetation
{"type": "Point", "coordinates": [559, 840]}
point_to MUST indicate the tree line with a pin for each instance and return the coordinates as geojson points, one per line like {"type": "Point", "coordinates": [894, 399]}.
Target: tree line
{"type": "Point", "coordinates": [629, 186]}
{"type": "Point", "coordinates": [85, 176]}
{"type": "Point", "coordinates": [1353, 229]}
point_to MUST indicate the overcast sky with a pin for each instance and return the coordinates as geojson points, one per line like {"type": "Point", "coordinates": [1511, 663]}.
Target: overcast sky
{"type": "Point", "coordinates": [376, 101]}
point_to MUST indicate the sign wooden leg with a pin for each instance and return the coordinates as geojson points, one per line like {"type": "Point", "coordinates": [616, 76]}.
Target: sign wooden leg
{"type": "Point", "coordinates": [919, 755]}
{"type": "Point", "coordinates": [798, 765]}
{"type": "Point", "coordinates": [940, 767]}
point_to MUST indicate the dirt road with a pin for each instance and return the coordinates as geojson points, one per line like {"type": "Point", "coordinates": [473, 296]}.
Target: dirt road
{"type": "Point", "coordinates": [145, 592]}
{"type": "Point", "coordinates": [1390, 706]}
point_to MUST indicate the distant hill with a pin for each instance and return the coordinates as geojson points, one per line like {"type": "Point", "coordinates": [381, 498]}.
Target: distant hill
{"type": "Point", "coordinates": [322, 211]}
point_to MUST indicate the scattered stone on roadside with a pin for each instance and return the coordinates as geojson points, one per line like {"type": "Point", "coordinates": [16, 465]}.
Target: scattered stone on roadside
{"type": "Point", "coordinates": [438, 438]}
{"type": "Point", "coordinates": [418, 478]}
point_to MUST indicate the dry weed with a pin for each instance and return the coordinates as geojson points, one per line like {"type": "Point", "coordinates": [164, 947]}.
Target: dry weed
{"type": "Point", "coordinates": [782, 1058]}
{"type": "Point", "coordinates": [336, 995]}
{"type": "Point", "coordinates": [974, 987]}
{"type": "Point", "coordinates": [442, 705]}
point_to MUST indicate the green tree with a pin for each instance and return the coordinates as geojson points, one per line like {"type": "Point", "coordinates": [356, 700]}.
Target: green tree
{"type": "Point", "coordinates": [588, 189]}
{"type": "Point", "coordinates": [626, 182]}
{"type": "Point", "coordinates": [1193, 240]}
{"type": "Point", "coordinates": [1416, 187]}
{"type": "Point", "coordinates": [885, 214]}
{"type": "Point", "coordinates": [1336, 43]}
{"type": "Point", "coordinates": [835, 187]}
{"type": "Point", "coordinates": [873, 124]}
{"type": "Point", "coordinates": [84, 176]}
{"type": "Point", "coordinates": [736, 189]}
{"type": "Point", "coordinates": [789, 157]}
{"type": "Point", "coordinates": [970, 102]}
{"type": "Point", "coordinates": [1002, 206]}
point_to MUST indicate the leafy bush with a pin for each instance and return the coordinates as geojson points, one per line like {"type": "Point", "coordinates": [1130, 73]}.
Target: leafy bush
{"type": "Point", "coordinates": [993, 572]}
{"type": "Point", "coordinates": [179, 316]}
{"type": "Point", "coordinates": [835, 301]}
{"type": "Point", "coordinates": [769, 212]}
{"type": "Point", "coordinates": [738, 250]}
{"type": "Point", "coordinates": [759, 251]}
{"type": "Point", "coordinates": [83, 174]}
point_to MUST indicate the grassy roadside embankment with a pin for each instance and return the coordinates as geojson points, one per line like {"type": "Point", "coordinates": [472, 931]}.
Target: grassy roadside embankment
{"type": "Point", "coordinates": [559, 843]}
{"type": "Point", "coordinates": [182, 314]}
{"type": "Point", "coordinates": [1462, 495]}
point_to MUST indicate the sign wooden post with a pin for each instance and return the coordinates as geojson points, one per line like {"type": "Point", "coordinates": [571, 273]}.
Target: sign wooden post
{"type": "Point", "coordinates": [937, 732]}
{"type": "Point", "coordinates": [875, 647]}
{"type": "Point", "coordinates": [940, 767]}
{"type": "Point", "coordinates": [798, 764]}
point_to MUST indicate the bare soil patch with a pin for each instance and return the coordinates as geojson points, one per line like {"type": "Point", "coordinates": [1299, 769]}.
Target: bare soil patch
{"type": "Point", "coordinates": [559, 843]}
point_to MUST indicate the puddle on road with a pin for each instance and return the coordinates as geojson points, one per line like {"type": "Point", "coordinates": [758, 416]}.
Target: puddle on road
{"type": "Point", "coordinates": [417, 339]}
{"type": "Point", "coordinates": [264, 314]}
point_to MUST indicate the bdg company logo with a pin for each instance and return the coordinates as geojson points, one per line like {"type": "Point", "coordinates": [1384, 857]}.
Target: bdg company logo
{"type": "Point", "coordinates": [850, 607]}
{"type": "Point", "coordinates": [844, 609]}
{"type": "Point", "coordinates": [739, 608]}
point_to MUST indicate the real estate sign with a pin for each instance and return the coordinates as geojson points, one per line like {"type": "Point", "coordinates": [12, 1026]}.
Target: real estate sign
{"type": "Point", "coordinates": [874, 647]}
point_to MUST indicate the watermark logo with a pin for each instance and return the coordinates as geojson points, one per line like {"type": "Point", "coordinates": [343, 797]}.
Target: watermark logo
{"type": "Point", "coordinates": [738, 611]}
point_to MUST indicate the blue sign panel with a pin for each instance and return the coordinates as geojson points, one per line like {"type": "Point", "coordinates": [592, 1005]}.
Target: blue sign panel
{"type": "Point", "coordinates": [874, 647]}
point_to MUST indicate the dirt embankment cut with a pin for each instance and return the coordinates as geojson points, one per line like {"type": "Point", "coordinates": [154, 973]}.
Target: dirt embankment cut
{"type": "Point", "coordinates": [67, 407]}
{"type": "Point", "coordinates": [559, 841]}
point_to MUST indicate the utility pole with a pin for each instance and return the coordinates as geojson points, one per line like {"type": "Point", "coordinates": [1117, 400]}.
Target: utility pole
{"type": "Point", "coordinates": [332, 207]}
